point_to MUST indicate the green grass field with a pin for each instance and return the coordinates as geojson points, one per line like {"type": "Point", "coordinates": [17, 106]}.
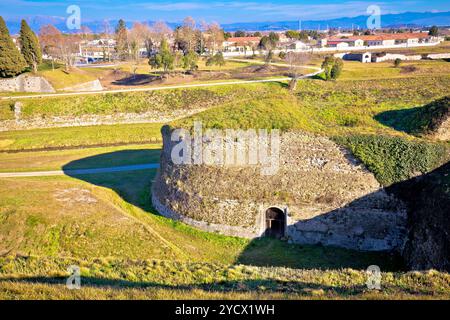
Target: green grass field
{"type": "Point", "coordinates": [385, 70]}
{"type": "Point", "coordinates": [61, 221]}
{"type": "Point", "coordinates": [75, 137]}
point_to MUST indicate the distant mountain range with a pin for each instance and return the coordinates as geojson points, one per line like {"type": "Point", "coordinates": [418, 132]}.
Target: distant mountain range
{"type": "Point", "coordinates": [407, 19]}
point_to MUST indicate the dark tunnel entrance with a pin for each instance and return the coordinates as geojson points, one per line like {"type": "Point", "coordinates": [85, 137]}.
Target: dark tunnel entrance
{"type": "Point", "coordinates": [275, 223]}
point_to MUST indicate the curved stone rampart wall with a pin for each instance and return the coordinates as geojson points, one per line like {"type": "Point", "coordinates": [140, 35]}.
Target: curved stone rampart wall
{"type": "Point", "coordinates": [330, 197]}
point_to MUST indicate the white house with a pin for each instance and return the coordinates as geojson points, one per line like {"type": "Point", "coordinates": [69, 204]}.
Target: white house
{"type": "Point", "coordinates": [294, 45]}
{"type": "Point", "coordinates": [388, 40]}
{"type": "Point", "coordinates": [342, 42]}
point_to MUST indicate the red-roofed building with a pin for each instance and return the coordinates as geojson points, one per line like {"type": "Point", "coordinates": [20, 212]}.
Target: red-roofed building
{"type": "Point", "coordinates": [241, 44]}
{"type": "Point", "coordinates": [387, 39]}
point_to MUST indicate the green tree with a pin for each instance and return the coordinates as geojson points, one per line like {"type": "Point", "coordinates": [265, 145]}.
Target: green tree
{"type": "Point", "coordinates": [239, 34]}
{"type": "Point", "coordinates": [292, 34]}
{"type": "Point", "coordinates": [337, 68]}
{"type": "Point", "coordinates": [163, 59]}
{"type": "Point", "coordinates": [332, 67]}
{"type": "Point", "coordinates": [397, 62]}
{"type": "Point", "coordinates": [269, 42]}
{"type": "Point", "coordinates": [190, 60]}
{"type": "Point", "coordinates": [434, 31]}
{"type": "Point", "coordinates": [11, 61]}
{"type": "Point", "coordinates": [122, 40]}
{"type": "Point", "coordinates": [29, 46]}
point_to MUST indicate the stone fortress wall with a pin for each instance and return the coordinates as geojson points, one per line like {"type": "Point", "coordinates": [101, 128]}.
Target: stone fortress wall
{"type": "Point", "coordinates": [328, 196]}
{"type": "Point", "coordinates": [26, 83]}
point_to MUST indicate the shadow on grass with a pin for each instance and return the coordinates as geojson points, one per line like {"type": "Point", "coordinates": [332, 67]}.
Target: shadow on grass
{"type": "Point", "coordinates": [400, 120]}
{"type": "Point", "coordinates": [419, 120]}
{"type": "Point", "coordinates": [268, 252]}
{"type": "Point", "coordinates": [137, 80]}
{"type": "Point", "coordinates": [134, 188]}
{"type": "Point", "coordinates": [237, 286]}
{"type": "Point", "coordinates": [131, 186]}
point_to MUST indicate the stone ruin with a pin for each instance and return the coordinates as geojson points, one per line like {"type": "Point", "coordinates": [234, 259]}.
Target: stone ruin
{"type": "Point", "coordinates": [321, 194]}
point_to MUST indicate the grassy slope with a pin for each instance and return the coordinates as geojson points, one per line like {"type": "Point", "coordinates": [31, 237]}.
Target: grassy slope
{"type": "Point", "coordinates": [55, 160]}
{"type": "Point", "coordinates": [60, 79]}
{"type": "Point", "coordinates": [137, 102]}
{"type": "Point", "coordinates": [329, 108]}
{"type": "Point", "coordinates": [105, 224]}
{"type": "Point", "coordinates": [110, 218]}
{"type": "Point", "coordinates": [358, 71]}
{"type": "Point", "coordinates": [418, 121]}
{"type": "Point", "coordinates": [80, 136]}
{"type": "Point", "coordinates": [153, 279]}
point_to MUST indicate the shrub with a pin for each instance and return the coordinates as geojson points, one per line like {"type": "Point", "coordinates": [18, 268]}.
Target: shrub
{"type": "Point", "coordinates": [332, 67]}
{"type": "Point", "coordinates": [397, 62]}
{"type": "Point", "coordinates": [216, 60]}
{"type": "Point", "coordinates": [190, 60]}
{"type": "Point", "coordinates": [282, 55]}
{"type": "Point", "coordinates": [394, 159]}
{"type": "Point", "coordinates": [163, 59]}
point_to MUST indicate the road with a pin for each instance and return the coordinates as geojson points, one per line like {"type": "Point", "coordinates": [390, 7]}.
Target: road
{"type": "Point", "coordinates": [79, 171]}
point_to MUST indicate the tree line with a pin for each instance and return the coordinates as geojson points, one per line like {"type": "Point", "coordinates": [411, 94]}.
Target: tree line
{"type": "Point", "coordinates": [14, 61]}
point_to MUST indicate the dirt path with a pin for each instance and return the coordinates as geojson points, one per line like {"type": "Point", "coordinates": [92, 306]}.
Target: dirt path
{"type": "Point", "coordinates": [79, 171]}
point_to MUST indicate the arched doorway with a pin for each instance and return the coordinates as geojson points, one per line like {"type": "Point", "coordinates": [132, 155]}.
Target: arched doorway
{"type": "Point", "coordinates": [275, 223]}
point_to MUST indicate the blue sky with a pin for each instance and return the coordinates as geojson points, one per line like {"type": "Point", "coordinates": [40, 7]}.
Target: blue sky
{"type": "Point", "coordinates": [222, 11]}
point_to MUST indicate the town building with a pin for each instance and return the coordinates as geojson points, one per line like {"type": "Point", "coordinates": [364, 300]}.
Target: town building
{"type": "Point", "coordinates": [381, 40]}
{"type": "Point", "coordinates": [241, 44]}
{"type": "Point", "coordinates": [293, 45]}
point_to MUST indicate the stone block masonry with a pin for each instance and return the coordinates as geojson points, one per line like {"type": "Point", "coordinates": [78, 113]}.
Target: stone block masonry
{"type": "Point", "coordinates": [327, 195]}
{"type": "Point", "coordinates": [26, 83]}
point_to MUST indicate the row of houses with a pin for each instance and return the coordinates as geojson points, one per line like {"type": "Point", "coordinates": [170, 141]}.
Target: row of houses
{"type": "Point", "coordinates": [97, 49]}
{"type": "Point", "coordinates": [247, 44]}
{"type": "Point", "coordinates": [368, 57]}
{"type": "Point", "coordinates": [380, 40]}
{"type": "Point", "coordinates": [244, 45]}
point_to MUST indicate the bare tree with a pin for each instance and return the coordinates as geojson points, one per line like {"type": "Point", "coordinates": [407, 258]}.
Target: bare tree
{"type": "Point", "coordinates": [59, 46]}
{"type": "Point", "coordinates": [49, 39]}
{"type": "Point", "coordinates": [188, 33]}
{"type": "Point", "coordinates": [296, 61]}
{"type": "Point", "coordinates": [85, 35]}
{"type": "Point", "coordinates": [159, 31]}
{"type": "Point", "coordinates": [107, 32]}
{"type": "Point", "coordinates": [136, 38]}
{"type": "Point", "coordinates": [214, 36]}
